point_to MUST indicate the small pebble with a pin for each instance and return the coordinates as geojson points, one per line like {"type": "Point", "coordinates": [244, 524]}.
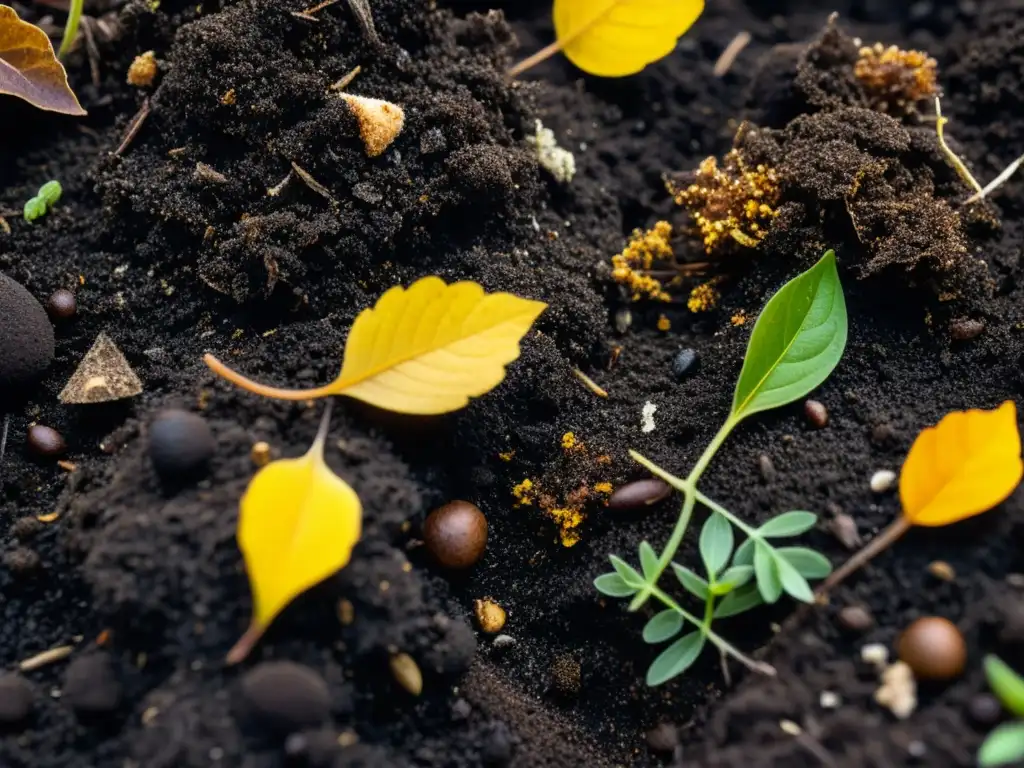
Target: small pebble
{"type": "Point", "coordinates": [566, 675]}
{"type": "Point", "coordinates": [91, 686]}
{"type": "Point", "coordinates": [62, 305]}
{"type": "Point", "coordinates": [684, 363]}
{"type": "Point", "coordinates": [181, 445]}
{"type": "Point", "coordinates": [917, 749]}
{"type": "Point", "coordinates": [45, 442]}
{"type": "Point", "coordinates": [965, 329]}
{"type": "Point", "coordinates": [829, 700]}
{"type": "Point", "coordinates": [934, 648]}
{"type": "Point", "coordinates": [875, 654]}
{"type": "Point", "coordinates": [26, 338]}
{"type": "Point", "coordinates": [15, 699]}
{"type": "Point", "coordinates": [984, 710]}
{"type": "Point", "coordinates": [816, 414]}
{"type": "Point", "coordinates": [882, 480]}
{"type": "Point", "coordinates": [844, 528]}
{"type": "Point", "coordinates": [489, 615]}
{"type": "Point", "coordinates": [456, 534]}
{"type": "Point", "coordinates": [497, 748]}
{"type": "Point", "coordinates": [22, 561]}
{"type": "Point", "coordinates": [640, 493]}
{"type": "Point", "coordinates": [882, 434]}
{"type": "Point", "coordinates": [503, 641]}
{"type": "Point", "coordinates": [285, 697]}
{"type": "Point", "coordinates": [407, 673]}
{"type": "Point", "coordinates": [766, 468]}
{"type": "Point", "coordinates": [461, 709]}
{"type": "Point", "coordinates": [942, 570]}
{"type": "Point", "coordinates": [663, 738]}
{"type": "Point", "coordinates": [856, 618]}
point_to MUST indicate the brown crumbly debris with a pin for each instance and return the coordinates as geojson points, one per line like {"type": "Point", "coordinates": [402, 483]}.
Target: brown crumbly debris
{"type": "Point", "coordinates": [640, 255]}
{"type": "Point", "coordinates": [143, 70]}
{"type": "Point", "coordinates": [895, 79]}
{"type": "Point", "coordinates": [380, 122]}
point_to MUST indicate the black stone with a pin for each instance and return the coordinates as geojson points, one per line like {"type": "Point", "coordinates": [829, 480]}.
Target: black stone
{"type": "Point", "coordinates": [181, 445]}
{"type": "Point", "coordinates": [497, 748]}
{"type": "Point", "coordinates": [684, 363]}
{"type": "Point", "coordinates": [15, 699]}
{"type": "Point", "coordinates": [26, 338]}
{"type": "Point", "coordinates": [91, 686]}
{"type": "Point", "coordinates": [285, 697]}
{"type": "Point", "coordinates": [984, 710]}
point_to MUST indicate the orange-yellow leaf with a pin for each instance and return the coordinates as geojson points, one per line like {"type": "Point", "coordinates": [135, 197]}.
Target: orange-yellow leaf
{"type": "Point", "coordinates": [298, 524]}
{"type": "Point", "coordinates": [613, 38]}
{"type": "Point", "coordinates": [963, 466]}
{"type": "Point", "coordinates": [422, 350]}
{"type": "Point", "coordinates": [29, 69]}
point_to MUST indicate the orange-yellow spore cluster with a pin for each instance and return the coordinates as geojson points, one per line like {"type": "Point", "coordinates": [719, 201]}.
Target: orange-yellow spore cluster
{"type": "Point", "coordinates": [644, 250]}
{"type": "Point", "coordinates": [731, 201]}
{"type": "Point", "coordinates": [703, 297]}
{"type": "Point", "coordinates": [895, 79]}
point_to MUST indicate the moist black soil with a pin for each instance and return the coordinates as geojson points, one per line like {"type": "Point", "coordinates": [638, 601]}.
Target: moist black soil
{"type": "Point", "coordinates": [146, 582]}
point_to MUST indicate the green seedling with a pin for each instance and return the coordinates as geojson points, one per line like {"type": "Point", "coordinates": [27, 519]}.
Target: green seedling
{"type": "Point", "coordinates": [1005, 744]}
{"type": "Point", "coordinates": [796, 343]}
{"type": "Point", "coordinates": [71, 27]}
{"type": "Point", "coordinates": [45, 199]}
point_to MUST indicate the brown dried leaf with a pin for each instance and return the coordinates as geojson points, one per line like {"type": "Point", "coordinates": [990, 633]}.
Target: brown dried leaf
{"type": "Point", "coordinates": [30, 70]}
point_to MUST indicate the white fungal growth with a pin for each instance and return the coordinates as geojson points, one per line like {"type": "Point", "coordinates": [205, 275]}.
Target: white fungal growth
{"type": "Point", "coordinates": [559, 162]}
{"type": "Point", "coordinates": [647, 417]}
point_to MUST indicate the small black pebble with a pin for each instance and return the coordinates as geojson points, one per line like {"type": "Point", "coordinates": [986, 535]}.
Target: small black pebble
{"type": "Point", "coordinates": [684, 363]}
{"type": "Point", "coordinates": [62, 305]}
{"type": "Point", "coordinates": [984, 710]}
{"type": "Point", "coordinates": [15, 699]}
{"type": "Point", "coordinates": [461, 709]}
{"type": "Point", "coordinates": [497, 749]}
{"type": "Point", "coordinates": [181, 445]}
{"type": "Point", "coordinates": [285, 697]}
{"type": "Point", "coordinates": [26, 337]}
{"type": "Point", "coordinates": [21, 561]}
{"type": "Point", "coordinates": [91, 686]}
{"type": "Point", "coordinates": [45, 442]}
{"type": "Point", "coordinates": [663, 738]}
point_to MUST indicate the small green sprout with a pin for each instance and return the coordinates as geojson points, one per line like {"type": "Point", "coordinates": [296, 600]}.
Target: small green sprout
{"type": "Point", "coordinates": [71, 27]}
{"type": "Point", "coordinates": [1005, 744]}
{"type": "Point", "coordinates": [796, 343]}
{"type": "Point", "coordinates": [45, 199]}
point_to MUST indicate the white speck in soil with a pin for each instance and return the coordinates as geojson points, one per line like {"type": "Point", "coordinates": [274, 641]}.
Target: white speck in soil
{"type": "Point", "coordinates": [882, 480]}
{"type": "Point", "coordinates": [647, 417]}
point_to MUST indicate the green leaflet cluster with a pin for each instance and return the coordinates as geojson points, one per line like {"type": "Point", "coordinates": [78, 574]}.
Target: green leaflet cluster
{"type": "Point", "coordinates": [796, 343]}
{"type": "Point", "coordinates": [1005, 745]}
{"type": "Point", "coordinates": [47, 197]}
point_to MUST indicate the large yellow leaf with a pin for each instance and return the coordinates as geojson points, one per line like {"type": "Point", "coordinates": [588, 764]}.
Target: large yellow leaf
{"type": "Point", "coordinates": [422, 350]}
{"type": "Point", "coordinates": [29, 69]}
{"type": "Point", "coordinates": [966, 464]}
{"type": "Point", "coordinates": [298, 524]}
{"type": "Point", "coordinates": [613, 38]}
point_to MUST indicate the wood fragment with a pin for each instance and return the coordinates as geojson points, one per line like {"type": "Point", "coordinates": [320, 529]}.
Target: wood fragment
{"type": "Point", "coordinates": [589, 383]}
{"type": "Point", "coordinates": [67, 466]}
{"type": "Point", "coordinates": [307, 13]}
{"type": "Point", "coordinates": [731, 53]}
{"type": "Point", "coordinates": [134, 127]}
{"type": "Point", "coordinates": [4, 226]}
{"type": "Point", "coordinates": [91, 49]}
{"type": "Point", "coordinates": [361, 10]}
{"type": "Point", "coordinates": [48, 518]}
{"type": "Point", "coordinates": [206, 173]}
{"type": "Point", "coordinates": [276, 190]}
{"type": "Point", "coordinates": [59, 653]}
{"type": "Point", "coordinates": [312, 183]}
{"type": "Point", "coordinates": [346, 81]}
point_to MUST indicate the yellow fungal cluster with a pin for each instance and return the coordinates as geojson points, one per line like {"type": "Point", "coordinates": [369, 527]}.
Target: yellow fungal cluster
{"type": "Point", "coordinates": [703, 297]}
{"type": "Point", "coordinates": [731, 201]}
{"type": "Point", "coordinates": [895, 79]}
{"type": "Point", "coordinates": [644, 250]}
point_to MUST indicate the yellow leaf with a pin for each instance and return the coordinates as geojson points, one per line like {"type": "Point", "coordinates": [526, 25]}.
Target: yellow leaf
{"type": "Point", "coordinates": [613, 38]}
{"type": "Point", "coordinates": [298, 524]}
{"type": "Point", "coordinates": [963, 466]}
{"type": "Point", "coordinates": [422, 350]}
{"type": "Point", "coordinates": [29, 69]}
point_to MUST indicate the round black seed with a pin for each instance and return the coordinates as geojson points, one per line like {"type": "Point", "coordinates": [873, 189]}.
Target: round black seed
{"type": "Point", "coordinates": [984, 710]}
{"type": "Point", "coordinates": [62, 305]}
{"type": "Point", "coordinates": [45, 442]}
{"type": "Point", "coordinates": [285, 697]}
{"type": "Point", "coordinates": [640, 493]}
{"type": "Point", "coordinates": [26, 338]}
{"type": "Point", "coordinates": [684, 363]}
{"type": "Point", "coordinates": [181, 445]}
{"type": "Point", "coordinates": [15, 699]}
{"type": "Point", "coordinates": [91, 686]}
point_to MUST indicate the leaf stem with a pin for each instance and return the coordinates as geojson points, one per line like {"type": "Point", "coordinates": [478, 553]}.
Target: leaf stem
{"type": "Point", "coordinates": [881, 542]}
{"type": "Point", "coordinates": [531, 61]}
{"type": "Point", "coordinates": [714, 506]}
{"type": "Point", "coordinates": [71, 27]}
{"type": "Point", "coordinates": [262, 389]}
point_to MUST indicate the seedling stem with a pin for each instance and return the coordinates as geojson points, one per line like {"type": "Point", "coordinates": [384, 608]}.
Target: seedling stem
{"type": "Point", "coordinates": [71, 28]}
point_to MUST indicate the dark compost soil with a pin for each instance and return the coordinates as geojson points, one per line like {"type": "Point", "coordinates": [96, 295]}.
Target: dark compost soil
{"type": "Point", "coordinates": [172, 264]}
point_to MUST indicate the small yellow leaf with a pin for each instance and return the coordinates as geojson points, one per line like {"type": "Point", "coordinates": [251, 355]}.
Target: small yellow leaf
{"type": "Point", "coordinates": [614, 38]}
{"type": "Point", "coordinates": [29, 69]}
{"type": "Point", "coordinates": [422, 350]}
{"type": "Point", "coordinates": [298, 524]}
{"type": "Point", "coordinates": [963, 466]}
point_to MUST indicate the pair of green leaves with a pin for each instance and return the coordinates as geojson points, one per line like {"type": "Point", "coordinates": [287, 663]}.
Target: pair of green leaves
{"type": "Point", "coordinates": [1005, 744]}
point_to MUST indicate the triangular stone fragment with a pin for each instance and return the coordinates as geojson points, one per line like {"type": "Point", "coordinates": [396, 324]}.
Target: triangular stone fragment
{"type": "Point", "coordinates": [103, 375]}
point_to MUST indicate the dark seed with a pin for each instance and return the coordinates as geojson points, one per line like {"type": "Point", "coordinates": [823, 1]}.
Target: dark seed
{"type": "Point", "coordinates": [767, 468]}
{"type": "Point", "coordinates": [640, 493]}
{"type": "Point", "coordinates": [684, 363]}
{"type": "Point", "coordinates": [456, 534]}
{"type": "Point", "coordinates": [285, 697]}
{"type": "Point", "coordinates": [45, 442]}
{"type": "Point", "coordinates": [91, 686]}
{"type": "Point", "coordinates": [965, 329]}
{"type": "Point", "coordinates": [933, 648]}
{"type": "Point", "coordinates": [844, 528]}
{"type": "Point", "coordinates": [15, 699]}
{"type": "Point", "coordinates": [181, 445]}
{"type": "Point", "coordinates": [566, 675]}
{"type": "Point", "coordinates": [816, 413]}
{"type": "Point", "coordinates": [984, 710]}
{"type": "Point", "coordinates": [856, 618]}
{"type": "Point", "coordinates": [26, 338]}
{"type": "Point", "coordinates": [663, 738]}
{"type": "Point", "coordinates": [62, 305]}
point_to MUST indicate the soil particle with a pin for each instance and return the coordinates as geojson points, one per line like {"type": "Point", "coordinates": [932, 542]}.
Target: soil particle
{"type": "Point", "coordinates": [61, 305]}
{"type": "Point", "coordinates": [663, 738]}
{"type": "Point", "coordinates": [284, 697]}
{"type": "Point", "coordinates": [498, 746]}
{"type": "Point", "coordinates": [855, 618]}
{"type": "Point", "coordinates": [25, 528]}
{"type": "Point", "coordinates": [566, 676]}
{"type": "Point", "coordinates": [16, 699]}
{"type": "Point", "coordinates": [26, 338]}
{"type": "Point", "coordinates": [91, 685]}
{"type": "Point", "coordinates": [22, 561]}
{"type": "Point", "coordinates": [984, 710]}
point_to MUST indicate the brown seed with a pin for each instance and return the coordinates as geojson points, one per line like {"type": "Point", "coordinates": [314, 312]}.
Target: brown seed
{"type": "Point", "coordinates": [816, 413]}
{"type": "Point", "coordinates": [45, 442]}
{"type": "Point", "coordinates": [456, 534]}
{"type": "Point", "coordinates": [407, 673]}
{"type": "Point", "coordinates": [767, 468]}
{"type": "Point", "coordinates": [942, 570]}
{"type": "Point", "coordinates": [934, 648]}
{"type": "Point", "coordinates": [856, 618]}
{"type": "Point", "coordinates": [844, 528]}
{"type": "Point", "coordinates": [62, 305]}
{"type": "Point", "coordinates": [640, 493]}
{"type": "Point", "coordinates": [882, 434]}
{"type": "Point", "coordinates": [260, 453]}
{"type": "Point", "coordinates": [489, 615]}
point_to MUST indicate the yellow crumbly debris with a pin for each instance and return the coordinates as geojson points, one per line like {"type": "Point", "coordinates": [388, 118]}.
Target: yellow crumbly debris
{"type": "Point", "coordinates": [605, 488]}
{"type": "Point", "coordinates": [703, 298]}
{"type": "Point", "coordinates": [731, 201]}
{"type": "Point", "coordinates": [567, 521]}
{"type": "Point", "coordinates": [896, 79]}
{"type": "Point", "coordinates": [664, 324]}
{"type": "Point", "coordinates": [143, 70]}
{"type": "Point", "coordinates": [740, 318]}
{"type": "Point", "coordinates": [523, 493]}
{"type": "Point", "coordinates": [640, 255]}
{"type": "Point", "coordinates": [568, 441]}
{"type": "Point", "coordinates": [507, 455]}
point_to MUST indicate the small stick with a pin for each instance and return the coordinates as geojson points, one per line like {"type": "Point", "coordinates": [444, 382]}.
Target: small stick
{"type": "Point", "coordinates": [808, 742]}
{"type": "Point", "coordinates": [275, 190]}
{"type": "Point", "coordinates": [91, 49]}
{"type": "Point", "coordinates": [361, 10]}
{"type": "Point", "coordinates": [3, 444]}
{"type": "Point", "coordinates": [4, 226]}
{"type": "Point", "coordinates": [997, 182]}
{"type": "Point", "coordinates": [308, 12]}
{"type": "Point", "coordinates": [134, 127]}
{"type": "Point", "coordinates": [344, 82]}
{"type": "Point", "coordinates": [731, 53]}
{"type": "Point", "coordinates": [312, 183]}
{"type": "Point", "coordinates": [881, 542]}
{"type": "Point", "coordinates": [59, 653]}
{"type": "Point", "coordinates": [589, 382]}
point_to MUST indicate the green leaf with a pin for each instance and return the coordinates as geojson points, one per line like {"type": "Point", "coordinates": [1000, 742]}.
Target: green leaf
{"type": "Point", "coordinates": [737, 575]}
{"type": "Point", "coordinates": [1006, 684]}
{"type": "Point", "coordinates": [796, 342]}
{"type": "Point", "coordinates": [716, 542]}
{"type": "Point", "coordinates": [629, 574]}
{"type": "Point", "coordinates": [738, 601]}
{"type": "Point", "coordinates": [808, 563]}
{"type": "Point", "coordinates": [613, 585]}
{"type": "Point", "coordinates": [1003, 746]}
{"type": "Point", "coordinates": [648, 561]}
{"type": "Point", "coordinates": [693, 583]}
{"type": "Point", "coordinates": [792, 582]}
{"type": "Point", "coordinates": [768, 581]}
{"type": "Point", "coordinates": [744, 553]}
{"type": "Point", "coordinates": [642, 596]}
{"type": "Point", "coordinates": [675, 659]}
{"type": "Point", "coordinates": [663, 626]}
{"type": "Point", "coordinates": [788, 524]}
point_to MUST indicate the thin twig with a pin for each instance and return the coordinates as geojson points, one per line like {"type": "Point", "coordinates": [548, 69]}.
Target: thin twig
{"type": "Point", "coordinates": [997, 182]}
{"type": "Point", "coordinates": [312, 183]}
{"type": "Point", "coordinates": [361, 10]}
{"type": "Point", "coordinates": [307, 14]}
{"type": "Point", "coordinates": [91, 49]}
{"type": "Point", "coordinates": [3, 445]}
{"type": "Point", "coordinates": [589, 382]}
{"type": "Point", "coordinates": [134, 127]}
{"type": "Point", "coordinates": [46, 657]}
{"type": "Point", "coordinates": [731, 53]}
{"type": "Point", "coordinates": [881, 542]}
{"type": "Point", "coordinates": [346, 81]}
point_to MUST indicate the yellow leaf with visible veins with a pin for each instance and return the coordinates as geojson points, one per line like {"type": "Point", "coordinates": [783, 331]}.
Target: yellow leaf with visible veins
{"type": "Point", "coordinates": [963, 466]}
{"type": "Point", "coordinates": [29, 69]}
{"type": "Point", "coordinates": [614, 38]}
